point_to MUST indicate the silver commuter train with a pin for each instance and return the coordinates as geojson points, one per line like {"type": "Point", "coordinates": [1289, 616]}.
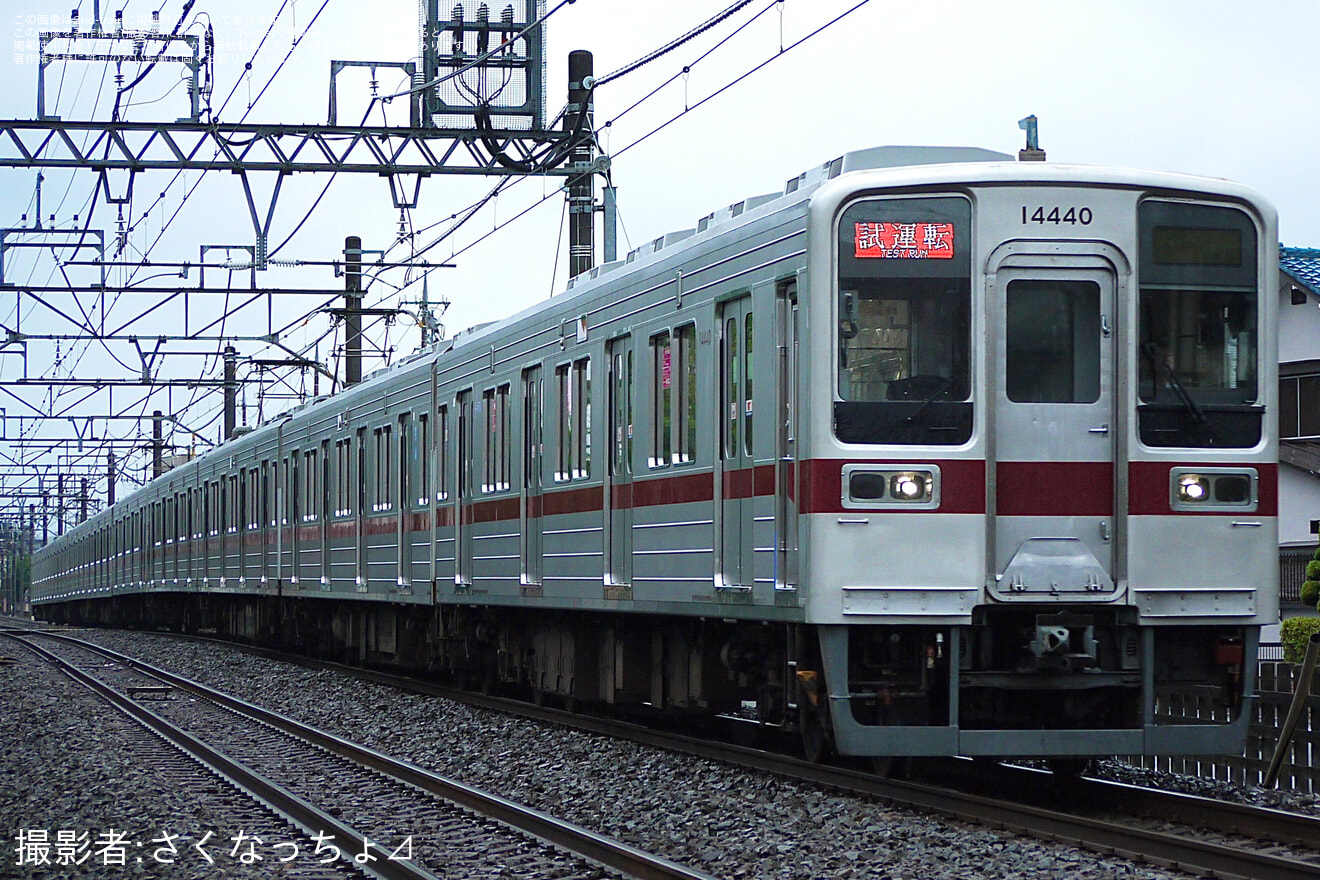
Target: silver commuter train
{"type": "Point", "coordinates": [934, 452]}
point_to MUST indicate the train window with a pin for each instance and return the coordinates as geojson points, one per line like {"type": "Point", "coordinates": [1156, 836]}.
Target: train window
{"type": "Point", "coordinates": [747, 384]}
{"type": "Point", "coordinates": [904, 321]}
{"type": "Point", "coordinates": [441, 453]}
{"type": "Point", "coordinates": [342, 464]}
{"type": "Point", "coordinates": [1197, 326]}
{"type": "Point", "coordinates": [662, 393]}
{"type": "Point", "coordinates": [1052, 350]}
{"type": "Point", "coordinates": [573, 387]}
{"type": "Point", "coordinates": [236, 504]}
{"type": "Point", "coordinates": [310, 509]}
{"type": "Point", "coordinates": [323, 506]}
{"type": "Point", "coordinates": [685, 407]}
{"type": "Point", "coordinates": [421, 456]}
{"type": "Point", "coordinates": [402, 466]}
{"type": "Point", "coordinates": [293, 490]}
{"type": "Point", "coordinates": [383, 470]}
{"type": "Point", "coordinates": [267, 487]}
{"type": "Point", "coordinates": [496, 402]}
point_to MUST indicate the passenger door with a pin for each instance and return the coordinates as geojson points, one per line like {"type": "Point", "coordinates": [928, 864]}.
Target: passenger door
{"type": "Point", "coordinates": [735, 483]}
{"type": "Point", "coordinates": [1054, 433]}
{"type": "Point", "coordinates": [786, 465]}
{"type": "Point", "coordinates": [618, 481]}
{"type": "Point", "coordinates": [463, 494]}
{"type": "Point", "coordinates": [530, 509]}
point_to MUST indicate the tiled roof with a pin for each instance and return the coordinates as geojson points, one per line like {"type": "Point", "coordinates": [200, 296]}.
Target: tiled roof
{"type": "Point", "coordinates": [1302, 264]}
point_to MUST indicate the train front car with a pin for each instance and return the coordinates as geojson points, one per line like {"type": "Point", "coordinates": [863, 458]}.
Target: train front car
{"type": "Point", "coordinates": [1040, 490]}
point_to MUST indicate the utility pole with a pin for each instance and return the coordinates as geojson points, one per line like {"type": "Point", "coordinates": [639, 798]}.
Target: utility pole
{"type": "Point", "coordinates": [581, 195]}
{"type": "Point", "coordinates": [110, 478]}
{"type": "Point", "coordinates": [231, 391]}
{"type": "Point", "coordinates": [352, 311]}
{"type": "Point", "coordinates": [157, 446]}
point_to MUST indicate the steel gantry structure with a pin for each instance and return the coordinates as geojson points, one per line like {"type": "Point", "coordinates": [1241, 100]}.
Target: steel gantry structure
{"type": "Point", "coordinates": [453, 130]}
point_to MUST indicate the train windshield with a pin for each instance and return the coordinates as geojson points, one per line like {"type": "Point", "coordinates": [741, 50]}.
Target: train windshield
{"type": "Point", "coordinates": [904, 322]}
{"type": "Point", "coordinates": [1197, 333]}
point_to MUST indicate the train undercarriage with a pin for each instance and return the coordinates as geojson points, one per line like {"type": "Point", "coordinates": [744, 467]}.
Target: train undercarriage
{"type": "Point", "coordinates": [1021, 677]}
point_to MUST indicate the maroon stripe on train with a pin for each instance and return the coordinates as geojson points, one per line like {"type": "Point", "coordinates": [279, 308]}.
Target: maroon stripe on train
{"type": "Point", "coordinates": [962, 484]}
{"type": "Point", "coordinates": [678, 489]}
{"type": "Point", "coordinates": [1149, 491]}
{"type": "Point", "coordinates": [1054, 488]}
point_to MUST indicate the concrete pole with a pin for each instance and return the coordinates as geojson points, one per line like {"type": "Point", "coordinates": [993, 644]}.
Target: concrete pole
{"type": "Point", "coordinates": [581, 195]}
{"type": "Point", "coordinates": [352, 309]}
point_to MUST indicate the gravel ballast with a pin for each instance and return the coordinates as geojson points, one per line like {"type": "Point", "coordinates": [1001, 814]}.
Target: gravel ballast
{"type": "Point", "coordinates": [726, 821]}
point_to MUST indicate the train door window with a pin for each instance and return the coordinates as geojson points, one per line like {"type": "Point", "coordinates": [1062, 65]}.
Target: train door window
{"type": "Point", "coordinates": [247, 489]}
{"type": "Point", "coordinates": [236, 509]}
{"type": "Point", "coordinates": [342, 464]}
{"type": "Point", "coordinates": [496, 402]}
{"type": "Point", "coordinates": [383, 474]}
{"type": "Point", "coordinates": [421, 456]}
{"type": "Point", "coordinates": [403, 488]}
{"type": "Point", "coordinates": [573, 396]}
{"type": "Point", "coordinates": [903, 327]}
{"type": "Point", "coordinates": [622, 416]}
{"type": "Point", "coordinates": [489, 405]}
{"type": "Point", "coordinates": [267, 487]}
{"type": "Point", "coordinates": [747, 383]}
{"type": "Point", "coordinates": [441, 453]}
{"type": "Point", "coordinates": [502, 480]}
{"type": "Point", "coordinates": [293, 500]}
{"type": "Point", "coordinates": [310, 509]}
{"type": "Point", "coordinates": [662, 392]}
{"type": "Point", "coordinates": [1052, 341]}
{"type": "Point", "coordinates": [731, 376]}
{"type": "Point", "coordinates": [323, 507]}
{"type": "Point", "coordinates": [582, 418]}
{"type": "Point", "coordinates": [221, 522]}
{"type": "Point", "coordinates": [685, 385]}
{"type": "Point", "coordinates": [208, 508]}
{"type": "Point", "coordinates": [357, 480]}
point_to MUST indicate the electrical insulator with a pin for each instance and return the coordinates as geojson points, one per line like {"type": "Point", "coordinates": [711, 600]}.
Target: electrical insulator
{"type": "Point", "coordinates": [506, 35]}
{"type": "Point", "coordinates": [155, 22]}
{"type": "Point", "coordinates": [457, 18]}
{"type": "Point", "coordinates": [73, 22]}
{"type": "Point", "coordinates": [119, 21]}
{"type": "Point", "coordinates": [483, 29]}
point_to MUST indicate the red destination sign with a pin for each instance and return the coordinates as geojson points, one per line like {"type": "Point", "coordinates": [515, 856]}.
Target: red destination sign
{"type": "Point", "coordinates": [904, 241]}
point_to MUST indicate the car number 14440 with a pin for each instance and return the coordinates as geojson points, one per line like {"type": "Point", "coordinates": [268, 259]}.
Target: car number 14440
{"type": "Point", "coordinates": [1057, 216]}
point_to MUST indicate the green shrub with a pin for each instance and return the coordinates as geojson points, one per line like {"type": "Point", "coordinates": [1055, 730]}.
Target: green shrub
{"type": "Point", "coordinates": [1313, 571]}
{"type": "Point", "coordinates": [1310, 591]}
{"type": "Point", "coordinates": [1295, 633]}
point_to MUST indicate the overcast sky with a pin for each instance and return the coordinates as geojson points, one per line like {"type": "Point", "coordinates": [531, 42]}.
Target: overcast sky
{"type": "Point", "coordinates": [1205, 87]}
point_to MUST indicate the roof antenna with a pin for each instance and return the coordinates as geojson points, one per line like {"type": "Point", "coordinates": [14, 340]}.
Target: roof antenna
{"type": "Point", "coordinates": [1033, 152]}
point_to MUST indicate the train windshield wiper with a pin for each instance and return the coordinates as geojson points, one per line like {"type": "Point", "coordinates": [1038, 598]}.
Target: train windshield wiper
{"type": "Point", "coordinates": [1174, 382]}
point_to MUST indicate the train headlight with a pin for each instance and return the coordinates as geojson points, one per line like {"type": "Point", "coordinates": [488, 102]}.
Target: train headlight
{"type": "Point", "coordinates": [1193, 488]}
{"type": "Point", "coordinates": [1213, 489]}
{"type": "Point", "coordinates": [912, 486]}
{"type": "Point", "coordinates": [878, 487]}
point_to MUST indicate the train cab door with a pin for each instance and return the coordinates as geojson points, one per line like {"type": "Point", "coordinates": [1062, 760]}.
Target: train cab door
{"type": "Point", "coordinates": [408, 448]}
{"type": "Point", "coordinates": [786, 471]}
{"type": "Point", "coordinates": [463, 494]}
{"type": "Point", "coordinates": [1054, 432]}
{"type": "Point", "coordinates": [531, 508]}
{"type": "Point", "coordinates": [734, 483]}
{"type": "Point", "coordinates": [619, 482]}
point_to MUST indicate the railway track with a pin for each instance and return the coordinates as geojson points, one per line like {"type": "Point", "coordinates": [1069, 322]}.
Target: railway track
{"type": "Point", "coordinates": [1198, 835]}
{"type": "Point", "coordinates": [418, 825]}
